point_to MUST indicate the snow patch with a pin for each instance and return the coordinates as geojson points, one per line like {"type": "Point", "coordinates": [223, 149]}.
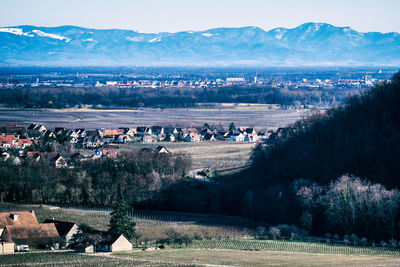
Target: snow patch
{"type": "Point", "coordinates": [133, 39]}
{"type": "Point", "coordinates": [15, 31]}
{"type": "Point", "coordinates": [207, 34]}
{"type": "Point", "coordinates": [50, 35]}
{"type": "Point", "coordinates": [89, 40]}
{"type": "Point", "coordinates": [157, 39]}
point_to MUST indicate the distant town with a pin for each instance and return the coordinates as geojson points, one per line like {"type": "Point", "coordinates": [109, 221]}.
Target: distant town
{"type": "Point", "coordinates": [78, 80]}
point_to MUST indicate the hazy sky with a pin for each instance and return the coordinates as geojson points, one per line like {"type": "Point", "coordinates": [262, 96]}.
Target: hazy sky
{"type": "Point", "coordinates": [179, 15]}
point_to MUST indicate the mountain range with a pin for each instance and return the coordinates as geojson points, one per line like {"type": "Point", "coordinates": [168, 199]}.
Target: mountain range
{"type": "Point", "coordinates": [308, 44]}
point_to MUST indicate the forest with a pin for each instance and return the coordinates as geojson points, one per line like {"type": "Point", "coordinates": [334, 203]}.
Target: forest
{"type": "Point", "coordinates": [140, 175]}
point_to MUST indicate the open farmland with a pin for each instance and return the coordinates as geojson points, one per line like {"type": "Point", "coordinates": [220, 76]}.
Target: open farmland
{"type": "Point", "coordinates": [253, 115]}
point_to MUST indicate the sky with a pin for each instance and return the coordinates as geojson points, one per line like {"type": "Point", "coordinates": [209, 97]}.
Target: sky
{"type": "Point", "coordinates": [181, 15]}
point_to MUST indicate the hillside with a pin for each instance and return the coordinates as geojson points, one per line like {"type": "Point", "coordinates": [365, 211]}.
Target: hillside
{"type": "Point", "coordinates": [361, 138]}
{"type": "Point", "coordinates": [307, 44]}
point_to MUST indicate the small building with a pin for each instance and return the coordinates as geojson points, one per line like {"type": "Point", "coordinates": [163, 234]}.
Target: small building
{"type": "Point", "coordinates": [84, 249]}
{"type": "Point", "coordinates": [161, 150]}
{"type": "Point", "coordinates": [114, 243]}
{"type": "Point", "coordinates": [192, 137]}
{"type": "Point", "coordinates": [65, 230]}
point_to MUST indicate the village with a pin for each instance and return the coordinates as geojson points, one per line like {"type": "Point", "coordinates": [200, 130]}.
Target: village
{"type": "Point", "coordinates": [63, 147]}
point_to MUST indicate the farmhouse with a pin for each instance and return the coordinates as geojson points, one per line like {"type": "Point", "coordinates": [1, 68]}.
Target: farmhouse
{"type": "Point", "coordinates": [34, 235]}
{"type": "Point", "coordinates": [23, 228]}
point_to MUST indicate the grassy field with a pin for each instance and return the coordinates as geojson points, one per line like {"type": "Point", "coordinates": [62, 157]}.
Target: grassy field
{"type": "Point", "coordinates": [216, 154]}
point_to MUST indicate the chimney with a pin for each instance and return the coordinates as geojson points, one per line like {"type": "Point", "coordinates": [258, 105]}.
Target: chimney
{"type": "Point", "coordinates": [14, 216]}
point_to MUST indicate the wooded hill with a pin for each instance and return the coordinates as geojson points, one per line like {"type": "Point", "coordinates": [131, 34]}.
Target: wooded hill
{"type": "Point", "coordinates": [361, 138]}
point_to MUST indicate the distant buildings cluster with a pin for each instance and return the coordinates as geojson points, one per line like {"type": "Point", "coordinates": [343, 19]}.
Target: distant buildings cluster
{"type": "Point", "coordinates": [365, 81]}
{"type": "Point", "coordinates": [25, 142]}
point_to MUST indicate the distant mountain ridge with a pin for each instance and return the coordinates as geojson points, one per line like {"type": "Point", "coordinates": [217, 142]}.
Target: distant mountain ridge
{"type": "Point", "coordinates": [307, 44]}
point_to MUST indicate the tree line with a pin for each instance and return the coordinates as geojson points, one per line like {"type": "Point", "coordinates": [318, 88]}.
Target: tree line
{"type": "Point", "coordinates": [167, 97]}
{"type": "Point", "coordinates": [139, 174]}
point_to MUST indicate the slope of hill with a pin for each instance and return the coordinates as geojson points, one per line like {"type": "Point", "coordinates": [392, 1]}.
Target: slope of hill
{"type": "Point", "coordinates": [308, 44]}
{"type": "Point", "coordinates": [360, 138]}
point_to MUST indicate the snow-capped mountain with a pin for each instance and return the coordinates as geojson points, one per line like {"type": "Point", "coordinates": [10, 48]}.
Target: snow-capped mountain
{"type": "Point", "coordinates": [307, 44]}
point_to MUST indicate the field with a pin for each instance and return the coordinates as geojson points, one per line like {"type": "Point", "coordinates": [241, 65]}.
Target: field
{"type": "Point", "coordinates": [197, 257]}
{"type": "Point", "coordinates": [215, 154]}
{"type": "Point", "coordinates": [253, 115]}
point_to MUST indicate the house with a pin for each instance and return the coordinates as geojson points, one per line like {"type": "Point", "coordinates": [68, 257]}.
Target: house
{"type": "Point", "coordinates": [148, 139]}
{"type": "Point", "coordinates": [237, 137]}
{"type": "Point", "coordinates": [112, 132]}
{"type": "Point", "coordinates": [123, 138]}
{"type": "Point", "coordinates": [209, 137]}
{"type": "Point", "coordinates": [143, 131]}
{"type": "Point", "coordinates": [80, 132]}
{"type": "Point", "coordinates": [106, 152]}
{"type": "Point", "coordinates": [6, 144]}
{"type": "Point", "coordinates": [192, 137]}
{"type": "Point", "coordinates": [156, 130]}
{"type": "Point", "coordinates": [72, 134]}
{"type": "Point", "coordinates": [161, 150]}
{"type": "Point", "coordinates": [92, 142]}
{"type": "Point", "coordinates": [33, 235]}
{"type": "Point", "coordinates": [57, 160]}
{"type": "Point", "coordinates": [35, 130]}
{"type": "Point", "coordinates": [24, 143]}
{"type": "Point", "coordinates": [252, 137]}
{"type": "Point", "coordinates": [7, 140]}
{"type": "Point", "coordinates": [113, 243]}
{"type": "Point", "coordinates": [65, 230]}
{"type": "Point", "coordinates": [49, 134]}
{"type": "Point", "coordinates": [128, 131]}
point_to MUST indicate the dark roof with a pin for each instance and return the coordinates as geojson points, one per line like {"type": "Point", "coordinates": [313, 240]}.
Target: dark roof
{"type": "Point", "coordinates": [62, 227]}
{"type": "Point", "coordinates": [208, 136]}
